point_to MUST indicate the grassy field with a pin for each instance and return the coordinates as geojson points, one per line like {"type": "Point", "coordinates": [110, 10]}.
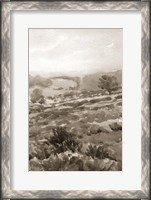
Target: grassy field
{"type": "Point", "coordinates": [77, 131]}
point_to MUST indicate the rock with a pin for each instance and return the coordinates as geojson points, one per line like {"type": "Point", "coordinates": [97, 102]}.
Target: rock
{"type": "Point", "coordinates": [116, 126]}
{"type": "Point", "coordinates": [109, 165]}
{"type": "Point", "coordinates": [43, 141]}
{"type": "Point", "coordinates": [100, 127]}
{"type": "Point", "coordinates": [94, 128]}
{"type": "Point", "coordinates": [52, 163]}
{"type": "Point", "coordinates": [112, 153]}
{"type": "Point", "coordinates": [115, 151]}
{"type": "Point", "coordinates": [90, 164]}
{"type": "Point", "coordinates": [37, 150]}
{"type": "Point", "coordinates": [35, 165]}
{"type": "Point", "coordinates": [116, 166]}
{"type": "Point", "coordinates": [72, 167]}
{"type": "Point", "coordinates": [105, 129]}
{"type": "Point", "coordinates": [84, 148]}
{"type": "Point", "coordinates": [32, 150]}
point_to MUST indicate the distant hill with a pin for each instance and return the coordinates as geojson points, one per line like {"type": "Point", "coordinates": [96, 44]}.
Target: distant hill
{"type": "Point", "coordinates": [90, 82]}
{"type": "Point", "coordinates": [39, 81]}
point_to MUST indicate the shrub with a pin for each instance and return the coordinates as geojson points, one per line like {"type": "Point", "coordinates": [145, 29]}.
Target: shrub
{"type": "Point", "coordinates": [88, 133]}
{"type": "Point", "coordinates": [45, 123]}
{"type": "Point", "coordinates": [95, 108]}
{"type": "Point", "coordinates": [80, 136]}
{"type": "Point", "coordinates": [77, 104]}
{"type": "Point", "coordinates": [119, 104]}
{"type": "Point", "coordinates": [118, 96]}
{"type": "Point", "coordinates": [109, 83]}
{"type": "Point", "coordinates": [106, 99]}
{"type": "Point", "coordinates": [97, 151]}
{"type": "Point", "coordinates": [63, 162]}
{"type": "Point", "coordinates": [94, 100]}
{"type": "Point", "coordinates": [63, 140]}
{"type": "Point", "coordinates": [35, 165]}
{"type": "Point", "coordinates": [53, 163]}
{"type": "Point", "coordinates": [94, 129]}
{"type": "Point", "coordinates": [68, 94]}
{"type": "Point", "coordinates": [34, 131]}
{"type": "Point", "coordinates": [42, 100]}
{"type": "Point", "coordinates": [39, 151]}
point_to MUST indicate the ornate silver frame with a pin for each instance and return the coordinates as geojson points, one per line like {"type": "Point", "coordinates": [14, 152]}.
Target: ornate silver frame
{"type": "Point", "coordinates": [7, 6]}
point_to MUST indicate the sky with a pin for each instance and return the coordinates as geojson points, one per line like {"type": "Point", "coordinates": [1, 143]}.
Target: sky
{"type": "Point", "coordinates": [75, 51]}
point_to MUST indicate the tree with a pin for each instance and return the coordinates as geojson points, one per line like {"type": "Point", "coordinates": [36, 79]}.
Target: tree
{"type": "Point", "coordinates": [37, 96]}
{"type": "Point", "coordinates": [108, 83]}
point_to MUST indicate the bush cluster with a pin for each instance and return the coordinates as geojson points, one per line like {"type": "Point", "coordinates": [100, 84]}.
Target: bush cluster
{"type": "Point", "coordinates": [63, 141]}
{"type": "Point", "coordinates": [62, 152]}
{"type": "Point", "coordinates": [99, 151]}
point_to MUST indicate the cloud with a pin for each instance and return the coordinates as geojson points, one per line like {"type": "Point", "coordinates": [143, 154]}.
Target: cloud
{"type": "Point", "coordinates": [110, 45]}
{"type": "Point", "coordinates": [46, 49]}
{"type": "Point", "coordinates": [80, 50]}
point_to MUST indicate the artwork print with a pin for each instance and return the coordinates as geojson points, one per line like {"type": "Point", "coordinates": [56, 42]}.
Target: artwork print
{"type": "Point", "coordinates": [75, 99]}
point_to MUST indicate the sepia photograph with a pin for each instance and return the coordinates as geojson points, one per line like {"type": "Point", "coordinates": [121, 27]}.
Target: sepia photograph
{"type": "Point", "coordinates": [75, 99]}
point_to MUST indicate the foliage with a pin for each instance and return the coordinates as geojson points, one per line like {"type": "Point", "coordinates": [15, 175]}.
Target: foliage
{"type": "Point", "coordinates": [108, 83]}
{"type": "Point", "coordinates": [69, 94]}
{"type": "Point", "coordinates": [41, 100]}
{"type": "Point", "coordinates": [63, 140]}
{"type": "Point", "coordinates": [97, 151]}
{"type": "Point", "coordinates": [67, 161]}
{"type": "Point", "coordinates": [37, 96]}
{"type": "Point", "coordinates": [34, 131]}
{"type": "Point", "coordinates": [118, 96]}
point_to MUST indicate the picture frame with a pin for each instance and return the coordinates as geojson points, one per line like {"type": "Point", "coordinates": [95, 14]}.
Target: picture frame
{"type": "Point", "coordinates": [7, 110]}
